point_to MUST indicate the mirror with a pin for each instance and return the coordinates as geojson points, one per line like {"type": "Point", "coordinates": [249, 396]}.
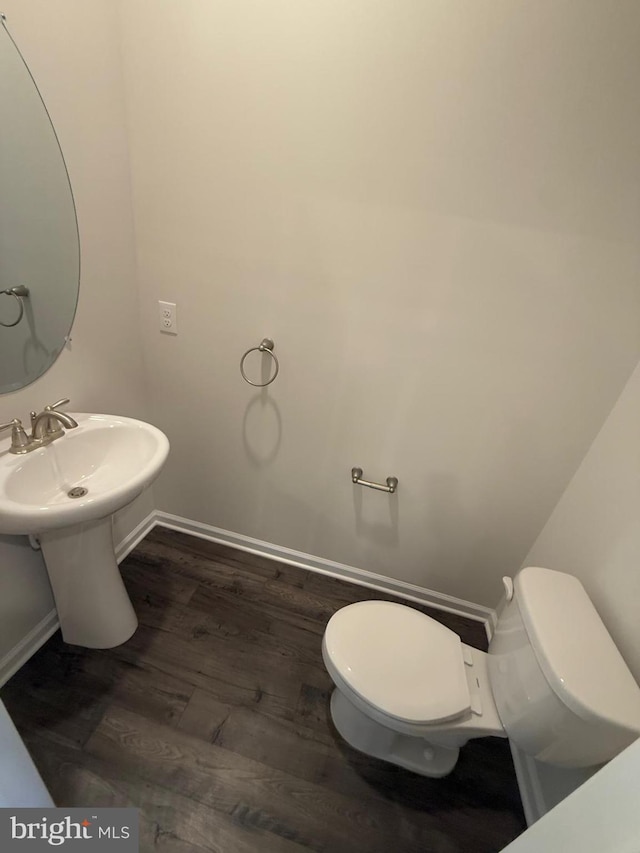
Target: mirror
{"type": "Point", "coordinates": [39, 246]}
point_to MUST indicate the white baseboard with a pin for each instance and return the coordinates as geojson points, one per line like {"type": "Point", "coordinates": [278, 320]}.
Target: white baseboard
{"type": "Point", "coordinates": [531, 794]}
{"type": "Point", "coordinates": [381, 583]}
{"type": "Point", "coordinates": [28, 645]}
{"type": "Point", "coordinates": [543, 786]}
{"type": "Point", "coordinates": [126, 546]}
{"type": "Point", "coordinates": [21, 652]}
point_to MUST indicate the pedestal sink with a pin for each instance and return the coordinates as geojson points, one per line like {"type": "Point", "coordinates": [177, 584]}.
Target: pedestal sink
{"type": "Point", "coordinates": [65, 493]}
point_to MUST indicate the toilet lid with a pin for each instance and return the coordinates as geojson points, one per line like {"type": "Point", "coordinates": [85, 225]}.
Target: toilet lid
{"type": "Point", "coordinates": [397, 659]}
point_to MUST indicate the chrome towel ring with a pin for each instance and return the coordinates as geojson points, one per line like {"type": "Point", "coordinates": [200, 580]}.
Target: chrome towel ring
{"type": "Point", "coordinates": [266, 345]}
{"type": "Point", "coordinates": [19, 293]}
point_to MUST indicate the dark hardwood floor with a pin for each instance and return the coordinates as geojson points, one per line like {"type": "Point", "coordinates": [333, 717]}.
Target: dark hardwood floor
{"type": "Point", "coordinates": [213, 720]}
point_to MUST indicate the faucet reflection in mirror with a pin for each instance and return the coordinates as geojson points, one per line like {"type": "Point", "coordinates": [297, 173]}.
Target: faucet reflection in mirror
{"type": "Point", "coordinates": [39, 246]}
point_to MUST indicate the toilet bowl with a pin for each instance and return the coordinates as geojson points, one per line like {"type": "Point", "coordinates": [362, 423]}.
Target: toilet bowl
{"type": "Point", "coordinates": [413, 692]}
{"type": "Point", "coordinates": [409, 691]}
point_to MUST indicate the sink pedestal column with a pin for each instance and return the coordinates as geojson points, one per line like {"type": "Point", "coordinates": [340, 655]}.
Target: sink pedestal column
{"type": "Point", "coordinates": [93, 606]}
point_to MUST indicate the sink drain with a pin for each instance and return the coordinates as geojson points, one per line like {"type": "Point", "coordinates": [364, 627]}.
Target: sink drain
{"type": "Point", "coordinates": [77, 492]}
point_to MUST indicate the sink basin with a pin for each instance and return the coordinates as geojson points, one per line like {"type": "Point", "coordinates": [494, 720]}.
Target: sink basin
{"type": "Point", "coordinates": [66, 493]}
{"type": "Point", "coordinates": [113, 458]}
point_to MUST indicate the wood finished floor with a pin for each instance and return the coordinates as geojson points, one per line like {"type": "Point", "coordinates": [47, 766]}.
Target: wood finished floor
{"type": "Point", "coordinates": [213, 721]}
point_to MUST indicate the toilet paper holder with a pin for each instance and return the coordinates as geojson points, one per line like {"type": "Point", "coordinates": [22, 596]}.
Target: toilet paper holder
{"type": "Point", "coordinates": [391, 485]}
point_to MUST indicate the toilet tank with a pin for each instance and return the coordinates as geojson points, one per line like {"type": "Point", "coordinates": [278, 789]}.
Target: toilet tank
{"type": "Point", "coordinates": [563, 692]}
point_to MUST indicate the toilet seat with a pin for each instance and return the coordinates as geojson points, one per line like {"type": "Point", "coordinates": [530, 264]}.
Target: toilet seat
{"type": "Point", "coordinates": [399, 661]}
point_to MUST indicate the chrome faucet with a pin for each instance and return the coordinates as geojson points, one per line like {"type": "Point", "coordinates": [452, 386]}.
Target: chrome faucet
{"type": "Point", "coordinates": [45, 428]}
{"type": "Point", "coordinates": [48, 425]}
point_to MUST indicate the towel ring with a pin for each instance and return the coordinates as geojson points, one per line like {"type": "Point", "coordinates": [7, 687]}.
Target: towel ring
{"type": "Point", "coordinates": [19, 293]}
{"type": "Point", "coordinates": [266, 346]}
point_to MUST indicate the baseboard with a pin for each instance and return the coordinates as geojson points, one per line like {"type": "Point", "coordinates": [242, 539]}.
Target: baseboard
{"type": "Point", "coordinates": [23, 650]}
{"type": "Point", "coordinates": [543, 786]}
{"type": "Point", "coordinates": [381, 583]}
{"type": "Point", "coordinates": [126, 546]}
{"type": "Point", "coordinates": [28, 645]}
{"type": "Point", "coordinates": [490, 623]}
{"type": "Point", "coordinates": [529, 785]}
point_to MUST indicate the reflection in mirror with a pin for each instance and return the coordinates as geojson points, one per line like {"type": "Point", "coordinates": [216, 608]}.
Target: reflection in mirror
{"type": "Point", "coordinates": [39, 248]}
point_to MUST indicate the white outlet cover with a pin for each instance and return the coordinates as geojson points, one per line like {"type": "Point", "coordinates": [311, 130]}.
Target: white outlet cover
{"type": "Point", "coordinates": [168, 317]}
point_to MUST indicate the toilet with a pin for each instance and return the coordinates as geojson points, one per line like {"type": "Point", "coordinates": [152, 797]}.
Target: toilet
{"type": "Point", "coordinates": [409, 691]}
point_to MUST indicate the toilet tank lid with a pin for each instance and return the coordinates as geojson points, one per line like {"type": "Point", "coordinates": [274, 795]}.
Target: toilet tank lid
{"type": "Point", "coordinates": [574, 649]}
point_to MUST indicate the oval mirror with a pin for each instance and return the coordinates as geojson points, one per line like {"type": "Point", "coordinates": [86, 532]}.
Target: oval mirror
{"type": "Point", "coordinates": [39, 246]}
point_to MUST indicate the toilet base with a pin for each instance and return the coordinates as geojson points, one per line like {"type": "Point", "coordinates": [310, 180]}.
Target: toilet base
{"type": "Point", "coordinates": [368, 736]}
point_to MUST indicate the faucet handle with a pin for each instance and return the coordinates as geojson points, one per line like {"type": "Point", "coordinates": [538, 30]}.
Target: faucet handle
{"type": "Point", "coordinates": [15, 424]}
{"type": "Point", "coordinates": [57, 405]}
{"type": "Point", "coordinates": [19, 438]}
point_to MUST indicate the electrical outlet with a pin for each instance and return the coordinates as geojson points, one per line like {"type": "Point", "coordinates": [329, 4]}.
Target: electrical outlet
{"type": "Point", "coordinates": [168, 313]}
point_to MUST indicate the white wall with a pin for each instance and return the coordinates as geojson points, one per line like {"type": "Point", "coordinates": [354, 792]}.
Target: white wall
{"type": "Point", "coordinates": [594, 532]}
{"type": "Point", "coordinates": [432, 209]}
{"type": "Point", "coordinates": [72, 50]}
